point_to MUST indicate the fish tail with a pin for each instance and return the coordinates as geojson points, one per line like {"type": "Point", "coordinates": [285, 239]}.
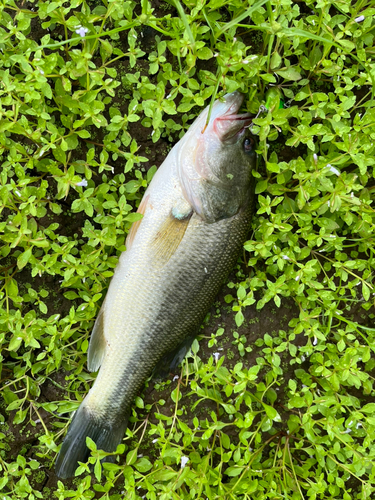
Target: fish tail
{"type": "Point", "coordinates": [106, 435]}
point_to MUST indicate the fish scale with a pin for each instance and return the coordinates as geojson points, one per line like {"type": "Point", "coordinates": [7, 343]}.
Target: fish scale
{"type": "Point", "coordinates": [195, 218]}
{"type": "Point", "coordinates": [167, 328]}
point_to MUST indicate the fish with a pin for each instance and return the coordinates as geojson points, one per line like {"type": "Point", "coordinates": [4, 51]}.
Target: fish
{"type": "Point", "coordinates": [196, 214]}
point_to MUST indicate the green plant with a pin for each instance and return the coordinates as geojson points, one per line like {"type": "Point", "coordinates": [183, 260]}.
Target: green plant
{"type": "Point", "coordinates": [84, 104]}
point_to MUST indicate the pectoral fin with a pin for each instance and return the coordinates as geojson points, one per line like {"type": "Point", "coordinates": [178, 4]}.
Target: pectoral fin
{"type": "Point", "coordinates": [96, 351]}
{"type": "Point", "coordinates": [170, 235]}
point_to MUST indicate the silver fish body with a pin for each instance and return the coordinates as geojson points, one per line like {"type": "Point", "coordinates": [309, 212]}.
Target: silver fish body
{"type": "Point", "coordinates": [196, 214]}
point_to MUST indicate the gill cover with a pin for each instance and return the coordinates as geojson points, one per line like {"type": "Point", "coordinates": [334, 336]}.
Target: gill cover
{"type": "Point", "coordinates": [213, 166]}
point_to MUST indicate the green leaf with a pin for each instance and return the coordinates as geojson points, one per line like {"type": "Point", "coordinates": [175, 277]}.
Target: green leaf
{"type": "Point", "coordinates": [365, 291]}
{"type": "Point", "coordinates": [164, 475]}
{"type": "Point", "coordinates": [24, 258]}
{"type": "Point", "coordinates": [369, 408]}
{"type": "Point", "coordinates": [143, 465]}
{"type": "Point", "coordinates": [289, 74]}
{"type": "Point", "coordinates": [204, 53]}
{"type": "Point", "coordinates": [239, 318]}
{"type": "Point", "coordinates": [270, 411]}
{"type": "Point", "coordinates": [90, 444]}
{"type": "Point", "coordinates": [5, 125]}
{"type": "Point", "coordinates": [98, 470]}
{"type": "Point", "coordinates": [234, 471]}
{"type": "Point", "coordinates": [131, 457]}
{"type": "Point", "coordinates": [261, 186]}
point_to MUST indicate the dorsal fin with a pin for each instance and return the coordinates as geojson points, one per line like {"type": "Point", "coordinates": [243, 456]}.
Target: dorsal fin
{"type": "Point", "coordinates": [97, 346]}
{"type": "Point", "coordinates": [135, 226]}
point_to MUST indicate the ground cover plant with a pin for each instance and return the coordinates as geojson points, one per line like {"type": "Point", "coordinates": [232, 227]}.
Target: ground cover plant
{"type": "Point", "coordinates": [276, 400]}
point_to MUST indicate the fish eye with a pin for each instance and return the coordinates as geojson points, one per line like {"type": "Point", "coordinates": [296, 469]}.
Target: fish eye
{"type": "Point", "coordinates": [248, 144]}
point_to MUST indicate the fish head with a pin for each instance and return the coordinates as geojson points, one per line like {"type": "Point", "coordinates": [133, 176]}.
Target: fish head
{"type": "Point", "coordinates": [216, 158]}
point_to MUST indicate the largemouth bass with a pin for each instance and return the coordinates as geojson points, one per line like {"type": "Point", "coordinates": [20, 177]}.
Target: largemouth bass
{"type": "Point", "coordinates": [196, 213]}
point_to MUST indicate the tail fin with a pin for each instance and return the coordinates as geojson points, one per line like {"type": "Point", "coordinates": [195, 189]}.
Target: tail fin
{"type": "Point", "coordinates": [105, 435]}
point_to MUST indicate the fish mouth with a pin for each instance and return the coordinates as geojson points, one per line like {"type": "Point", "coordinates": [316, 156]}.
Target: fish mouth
{"type": "Point", "coordinates": [231, 126]}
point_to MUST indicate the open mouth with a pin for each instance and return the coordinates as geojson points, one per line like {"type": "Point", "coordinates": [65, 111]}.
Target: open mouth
{"type": "Point", "coordinates": [232, 126]}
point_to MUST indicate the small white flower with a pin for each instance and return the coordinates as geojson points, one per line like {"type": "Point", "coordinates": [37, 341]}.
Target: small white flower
{"type": "Point", "coordinates": [359, 19]}
{"type": "Point", "coordinates": [333, 170]}
{"type": "Point", "coordinates": [303, 358]}
{"type": "Point", "coordinates": [348, 431]}
{"type": "Point", "coordinates": [328, 203]}
{"type": "Point", "coordinates": [315, 341]}
{"type": "Point", "coordinates": [155, 441]}
{"type": "Point", "coordinates": [41, 71]}
{"type": "Point", "coordinates": [297, 278]}
{"type": "Point", "coordinates": [216, 54]}
{"type": "Point", "coordinates": [315, 156]}
{"type": "Point", "coordinates": [175, 378]}
{"type": "Point", "coordinates": [205, 270]}
{"type": "Point", "coordinates": [285, 257]}
{"type": "Point", "coordinates": [81, 31]}
{"type": "Point", "coordinates": [359, 425]}
{"type": "Point", "coordinates": [216, 355]}
{"type": "Point", "coordinates": [184, 461]}
{"type": "Point", "coordinates": [82, 183]}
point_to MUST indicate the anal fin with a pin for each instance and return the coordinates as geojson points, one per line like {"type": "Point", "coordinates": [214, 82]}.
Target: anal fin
{"type": "Point", "coordinates": [172, 359]}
